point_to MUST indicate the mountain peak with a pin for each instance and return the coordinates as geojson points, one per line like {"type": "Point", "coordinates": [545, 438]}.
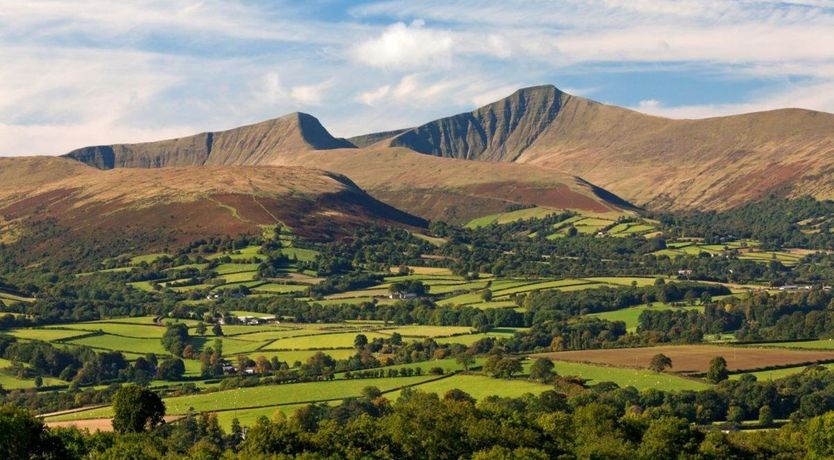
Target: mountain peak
{"type": "Point", "coordinates": [257, 143]}
{"type": "Point", "coordinates": [499, 131]}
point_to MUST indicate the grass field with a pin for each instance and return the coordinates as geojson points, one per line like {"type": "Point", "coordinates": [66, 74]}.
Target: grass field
{"type": "Point", "coordinates": [428, 331]}
{"type": "Point", "coordinates": [301, 356]}
{"type": "Point", "coordinates": [469, 339]}
{"type": "Point", "coordinates": [275, 288]}
{"type": "Point", "coordinates": [637, 378]}
{"type": "Point", "coordinates": [300, 254]}
{"type": "Point", "coordinates": [313, 342]}
{"type": "Point", "coordinates": [128, 330]}
{"type": "Point", "coordinates": [112, 342]}
{"type": "Point", "coordinates": [47, 335]}
{"type": "Point", "coordinates": [481, 386]}
{"type": "Point", "coordinates": [511, 216]}
{"type": "Point", "coordinates": [775, 374]}
{"type": "Point", "coordinates": [822, 344]}
{"type": "Point", "coordinates": [631, 315]}
{"type": "Point", "coordinates": [695, 358]}
{"type": "Point", "coordinates": [11, 382]}
{"type": "Point", "coordinates": [9, 298]}
{"type": "Point", "coordinates": [267, 395]}
{"type": "Point", "coordinates": [224, 269]}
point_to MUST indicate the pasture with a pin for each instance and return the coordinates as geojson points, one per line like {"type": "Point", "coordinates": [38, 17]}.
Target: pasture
{"type": "Point", "coordinates": [480, 386]}
{"type": "Point", "coordinates": [631, 315]}
{"type": "Point", "coordinates": [512, 216]}
{"type": "Point", "coordinates": [263, 396]}
{"type": "Point", "coordinates": [637, 378]}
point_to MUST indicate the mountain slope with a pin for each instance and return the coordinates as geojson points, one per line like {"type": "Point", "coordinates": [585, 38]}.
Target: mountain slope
{"type": "Point", "coordinates": [68, 210]}
{"type": "Point", "coordinates": [433, 188]}
{"type": "Point", "coordinates": [663, 163]}
{"type": "Point", "coordinates": [456, 190]}
{"type": "Point", "coordinates": [500, 131]}
{"type": "Point", "coordinates": [247, 145]}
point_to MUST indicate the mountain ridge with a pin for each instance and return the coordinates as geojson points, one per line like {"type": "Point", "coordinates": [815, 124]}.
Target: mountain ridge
{"type": "Point", "coordinates": [656, 162]}
{"type": "Point", "coordinates": [246, 145]}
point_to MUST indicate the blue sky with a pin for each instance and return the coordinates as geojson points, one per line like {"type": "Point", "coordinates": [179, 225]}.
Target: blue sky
{"type": "Point", "coordinates": [87, 72]}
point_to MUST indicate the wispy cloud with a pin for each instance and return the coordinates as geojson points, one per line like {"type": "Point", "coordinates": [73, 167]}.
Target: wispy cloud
{"type": "Point", "coordinates": [95, 71]}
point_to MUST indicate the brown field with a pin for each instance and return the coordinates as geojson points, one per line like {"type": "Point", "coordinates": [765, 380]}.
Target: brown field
{"type": "Point", "coordinates": [695, 358]}
{"type": "Point", "coordinates": [97, 424]}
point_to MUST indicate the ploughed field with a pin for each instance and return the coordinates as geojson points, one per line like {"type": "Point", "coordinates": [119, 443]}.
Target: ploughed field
{"type": "Point", "coordinates": [694, 359]}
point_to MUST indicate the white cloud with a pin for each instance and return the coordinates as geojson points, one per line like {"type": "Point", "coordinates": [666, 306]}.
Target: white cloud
{"type": "Point", "coordinates": [405, 45]}
{"type": "Point", "coordinates": [311, 94]}
{"type": "Point", "coordinates": [372, 96]}
{"type": "Point", "coordinates": [649, 104]}
{"type": "Point", "coordinates": [812, 97]}
{"type": "Point", "coordinates": [95, 71]}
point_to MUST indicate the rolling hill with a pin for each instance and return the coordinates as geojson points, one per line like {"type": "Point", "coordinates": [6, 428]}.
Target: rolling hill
{"type": "Point", "coordinates": [657, 162]}
{"type": "Point", "coordinates": [64, 209]}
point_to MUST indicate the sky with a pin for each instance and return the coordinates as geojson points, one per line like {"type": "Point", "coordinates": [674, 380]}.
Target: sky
{"type": "Point", "coordinates": [86, 72]}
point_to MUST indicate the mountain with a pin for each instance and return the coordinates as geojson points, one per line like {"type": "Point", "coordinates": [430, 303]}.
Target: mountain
{"type": "Point", "coordinates": [248, 145]}
{"type": "Point", "coordinates": [500, 131]}
{"type": "Point", "coordinates": [66, 210]}
{"type": "Point", "coordinates": [657, 162]}
{"type": "Point", "coordinates": [434, 188]}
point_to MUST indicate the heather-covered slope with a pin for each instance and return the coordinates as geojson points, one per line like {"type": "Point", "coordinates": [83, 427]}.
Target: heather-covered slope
{"type": "Point", "coordinates": [66, 209]}
{"type": "Point", "coordinates": [663, 163]}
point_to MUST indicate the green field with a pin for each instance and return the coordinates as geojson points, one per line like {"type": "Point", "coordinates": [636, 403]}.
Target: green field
{"type": "Point", "coordinates": [129, 344]}
{"type": "Point", "coordinates": [9, 381]}
{"type": "Point", "coordinates": [275, 288]}
{"type": "Point", "coordinates": [631, 315]}
{"type": "Point", "coordinates": [822, 344]}
{"type": "Point", "coordinates": [481, 386]}
{"type": "Point", "coordinates": [511, 216]}
{"type": "Point", "coordinates": [47, 335]}
{"type": "Point", "coordinates": [239, 277]}
{"type": "Point", "coordinates": [428, 331]}
{"type": "Point", "coordinates": [640, 379]}
{"type": "Point", "coordinates": [128, 330]}
{"type": "Point", "coordinates": [776, 374]}
{"type": "Point", "coordinates": [266, 395]}
{"type": "Point", "coordinates": [291, 356]}
{"type": "Point", "coordinates": [146, 258]}
{"type": "Point", "coordinates": [314, 342]}
{"type": "Point", "coordinates": [224, 269]}
{"type": "Point", "coordinates": [469, 339]}
{"type": "Point", "coordinates": [9, 298]}
{"type": "Point", "coordinates": [300, 254]}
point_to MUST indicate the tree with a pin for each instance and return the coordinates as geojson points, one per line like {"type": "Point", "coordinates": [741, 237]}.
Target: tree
{"type": "Point", "coordinates": [170, 369]}
{"type": "Point", "coordinates": [486, 295]}
{"type": "Point", "coordinates": [542, 370]}
{"type": "Point", "coordinates": [24, 437]}
{"type": "Point", "coordinates": [502, 367]}
{"type": "Point", "coordinates": [819, 437]}
{"type": "Point", "coordinates": [765, 416]}
{"type": "Point", "coordinates": [660, 362]}
{"type": "Point", "coordinates": [666, 437]}
{"type": "Point", "coordinates": [38, 381]}
{"type": "Point", "coordinates": [360, 341]}
{"type": "Point", "coordinates": [200, 329]}
{"type": "Point", "coordinates": [217, 330]}
{"type": "Point", "coordinates": [136, 409]}
{"type": "Point", "coordinates": [717, 370]}
{"type": "Point", "coordinates": [465, 359]}
{"type": "Point", "coordinates": [175, 338]}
